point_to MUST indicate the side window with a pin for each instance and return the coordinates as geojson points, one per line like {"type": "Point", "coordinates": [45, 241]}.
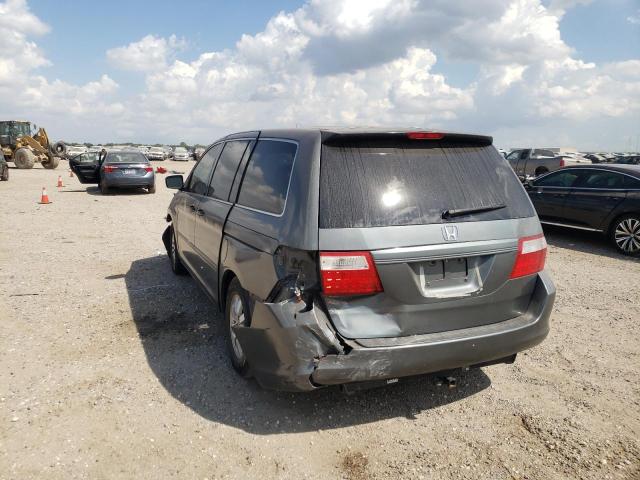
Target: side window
{"type": "Point", "coordinates": [601, 179]}
{"type": "Point", "coordinates": [199, 182]}
{"type": "Point", "coordinates": [630, 182]}
{"type": "Point", "coordinates": [266, 179]}
{"type": "Point", "coordinates": [558, 179]}
{"type": "Point", "coordinates": [513, 156]}
{"type": "Point", "coordinates": [225, 171]}
{"type": "Point", "coordinates": [89, 157]}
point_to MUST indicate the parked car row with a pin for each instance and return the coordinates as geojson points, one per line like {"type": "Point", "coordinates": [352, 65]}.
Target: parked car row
{"type": "Point", "coordinates": [532, 162]}
{"type": "Point", "coordinates": [601, 198]}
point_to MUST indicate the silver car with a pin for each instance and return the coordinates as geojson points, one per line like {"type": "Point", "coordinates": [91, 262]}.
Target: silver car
{"type": "Point", "coordinates": [181, 154]}
{"type": "Point", "coordinates": [351, 257]}
{"type": "Point", "coordinates": [121, 169]}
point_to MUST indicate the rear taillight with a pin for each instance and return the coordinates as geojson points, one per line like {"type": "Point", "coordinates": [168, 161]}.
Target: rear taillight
{"type": "Point", "coordinates": [532, 252]}
{"type": "Point", "coordinates": [349, 273]}
{"type": "Point", "coordinates": [425, 135]}
{"type": "Point", "coordinates": [110, 168]}
{"type": "Point", "coordinates": [562, 164]}
{"type": "Point", "coordinates": [148, 168]}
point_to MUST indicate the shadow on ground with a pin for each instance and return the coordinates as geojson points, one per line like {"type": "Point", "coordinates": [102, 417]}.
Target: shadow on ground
{"type": "Point", "coordinates": [593, 243]}
{"type": "Point", "coordinates": [179, 330]}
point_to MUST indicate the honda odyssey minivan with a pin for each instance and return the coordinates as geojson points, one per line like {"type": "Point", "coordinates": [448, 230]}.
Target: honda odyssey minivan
{"type": "Point", "coordinates": [360, 255]}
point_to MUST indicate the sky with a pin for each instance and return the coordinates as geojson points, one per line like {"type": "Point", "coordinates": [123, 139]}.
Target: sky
{"type": "Point", "coordinates": [529, 72]}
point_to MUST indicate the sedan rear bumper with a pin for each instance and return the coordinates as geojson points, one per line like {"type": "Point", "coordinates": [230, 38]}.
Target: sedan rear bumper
{"type": "Point", "coordinates": [289, 349]}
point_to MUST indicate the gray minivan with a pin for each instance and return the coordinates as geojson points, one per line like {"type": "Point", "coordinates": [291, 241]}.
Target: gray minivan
{"type": "Point", "coordinates": [361, 255]}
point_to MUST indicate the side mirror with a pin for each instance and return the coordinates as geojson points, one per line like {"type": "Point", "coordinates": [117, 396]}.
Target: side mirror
{"type": "Point", "coordinates": [175, 182]}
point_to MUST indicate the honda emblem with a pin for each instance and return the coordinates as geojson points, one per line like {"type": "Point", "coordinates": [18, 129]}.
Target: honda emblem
{"type": "Point", "coordinates": [450, 233]}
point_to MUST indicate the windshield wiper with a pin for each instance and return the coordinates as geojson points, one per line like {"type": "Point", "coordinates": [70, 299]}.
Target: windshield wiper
{"type": "Point", "coordinates": [467, 211]}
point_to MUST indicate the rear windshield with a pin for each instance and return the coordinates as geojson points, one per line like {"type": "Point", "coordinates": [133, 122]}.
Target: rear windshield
{"type": "Point", "coordinates": [126, 157]}
{"type": "Point", "coordinates": [369, 185]}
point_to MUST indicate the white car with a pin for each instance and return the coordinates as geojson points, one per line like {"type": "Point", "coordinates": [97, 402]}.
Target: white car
{"type": "Point", "coordinates": [181, 154]}
{"type": "Point", "coordinates": [74, 150]}
{"type": "Point", "coordinates": [156, 153]}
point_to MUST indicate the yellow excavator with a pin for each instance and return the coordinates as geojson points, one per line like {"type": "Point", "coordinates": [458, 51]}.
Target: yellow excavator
{"type": "Point", "coordinates": [24, 148]}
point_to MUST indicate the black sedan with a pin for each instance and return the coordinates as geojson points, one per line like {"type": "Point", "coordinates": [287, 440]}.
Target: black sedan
{"type": "Point", "coordinates": [598, 198]}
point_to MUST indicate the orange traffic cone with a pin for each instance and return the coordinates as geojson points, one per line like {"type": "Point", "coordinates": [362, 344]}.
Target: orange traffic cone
{"type": "Point", "coordinates": [60, 184]}
{"type": "Point", "coordinates": [44, 199]}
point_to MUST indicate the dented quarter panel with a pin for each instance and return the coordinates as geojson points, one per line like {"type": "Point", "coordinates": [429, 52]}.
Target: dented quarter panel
{"type": "Point", "coordinates": [284, 343]}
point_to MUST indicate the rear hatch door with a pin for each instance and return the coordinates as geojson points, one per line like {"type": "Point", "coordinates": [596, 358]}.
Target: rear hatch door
{"type": "Point", "coordinates": [441, 218]}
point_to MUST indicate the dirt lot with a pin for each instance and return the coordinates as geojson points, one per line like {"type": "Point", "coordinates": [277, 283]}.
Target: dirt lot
{"type": "Point", "coordinates": [114, 368]}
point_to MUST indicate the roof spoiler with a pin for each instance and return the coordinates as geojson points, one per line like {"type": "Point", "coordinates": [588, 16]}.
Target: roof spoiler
{"type": "Point", "coordinates": [412, 137]}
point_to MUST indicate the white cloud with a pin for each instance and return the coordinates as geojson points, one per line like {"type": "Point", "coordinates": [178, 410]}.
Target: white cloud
{"type": "Point", "coordinates": [635, 19]}
{"type": "Point", "coordinates": [147, 54]}
{"type": "Point", "coordinates": [26, 93]}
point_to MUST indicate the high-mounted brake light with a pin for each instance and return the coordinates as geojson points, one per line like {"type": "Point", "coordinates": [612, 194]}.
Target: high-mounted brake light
{"type": "Point", "coordinates": [425, 135]}
{"type": "Point", "coordinates": [349, 273]}
{"type": "Point", "coordinates": [532, 252]}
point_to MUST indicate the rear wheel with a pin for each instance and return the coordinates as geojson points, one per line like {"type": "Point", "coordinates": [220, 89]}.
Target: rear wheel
{"type": "Point", "coordinates": [625, 235]}
{"type": "Point", "coordinates": [174, 255]}
{"type": "Point", "coordinates": [152, 188]}
{"type": "Point", "coordinates": [541, 171]}
{"type": "Point", "coordinates": [24, 158]}
{"type": "Point", "coordinates": [237, 314]}
{"type": "Point", "coordinates": [104, 188]}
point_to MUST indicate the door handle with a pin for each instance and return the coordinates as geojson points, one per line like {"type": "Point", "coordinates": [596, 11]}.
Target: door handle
{"type": "Point", "coordinates": [200, 212]}
{"type": "Point", "coordinates": [192, 207]}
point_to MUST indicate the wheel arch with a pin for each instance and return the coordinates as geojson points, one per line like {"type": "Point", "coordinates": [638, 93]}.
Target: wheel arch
{"type": "Point", "coordinates": [618, 216]}
{"type": "Point", "coordinates": [227, 278]}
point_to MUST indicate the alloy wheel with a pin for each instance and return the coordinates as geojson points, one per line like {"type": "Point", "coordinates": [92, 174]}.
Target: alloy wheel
{"type": "Point", "coordinates": [236, 319]}
{"type": "Point", "coordinates": [627, 235]}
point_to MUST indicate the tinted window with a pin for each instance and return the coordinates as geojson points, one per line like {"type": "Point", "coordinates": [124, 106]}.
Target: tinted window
{"type": "Point", "coordinates": [630, 182]}
{"type": "Point", "coordinates": [558, 179]}
{"type": "Point", "coordinates": [370, 185]}
{"type": "Point", "coordinates": [266, 179]}
{"type": "Point", "coordinates": [226, 169]}
{"type": "Point", "coordinates": [602, 179]}
{"type": "Point", "coordinates": [199, 182]}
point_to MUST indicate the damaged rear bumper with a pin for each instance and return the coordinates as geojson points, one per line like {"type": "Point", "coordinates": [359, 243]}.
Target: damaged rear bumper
{"type": "Point", "coordinates": [290, 349]}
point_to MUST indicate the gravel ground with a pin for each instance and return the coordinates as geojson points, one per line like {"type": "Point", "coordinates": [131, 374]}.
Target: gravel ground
{"type": "Point", "coordinates": [114, 368]}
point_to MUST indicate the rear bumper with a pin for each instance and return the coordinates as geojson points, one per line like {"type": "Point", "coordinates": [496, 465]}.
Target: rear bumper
{"type": "Point", "coordinates": [291, 350]}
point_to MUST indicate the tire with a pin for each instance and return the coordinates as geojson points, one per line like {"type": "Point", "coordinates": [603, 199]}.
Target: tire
{"type": "Point", "coordinates": [60, 148]}
{"type": "Point", "coordinates": [53, 163]}
{"type": "Point", "coordinates": [4, 173]}
{"type": "Point", "coordinates": [625, 235]}
{"type": "Point", "coordinates": [104, 188]}
{"type": "Point", "coordinates": [24, 158]}
{"type": "Point", "coordinates": [174, 256]}
{"type": "Point", "coordinates": [151, 189]}
{"type": "Point", "coordinates": [236, 312]}
{"type": "Point", "coordinates": [540, 171]}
